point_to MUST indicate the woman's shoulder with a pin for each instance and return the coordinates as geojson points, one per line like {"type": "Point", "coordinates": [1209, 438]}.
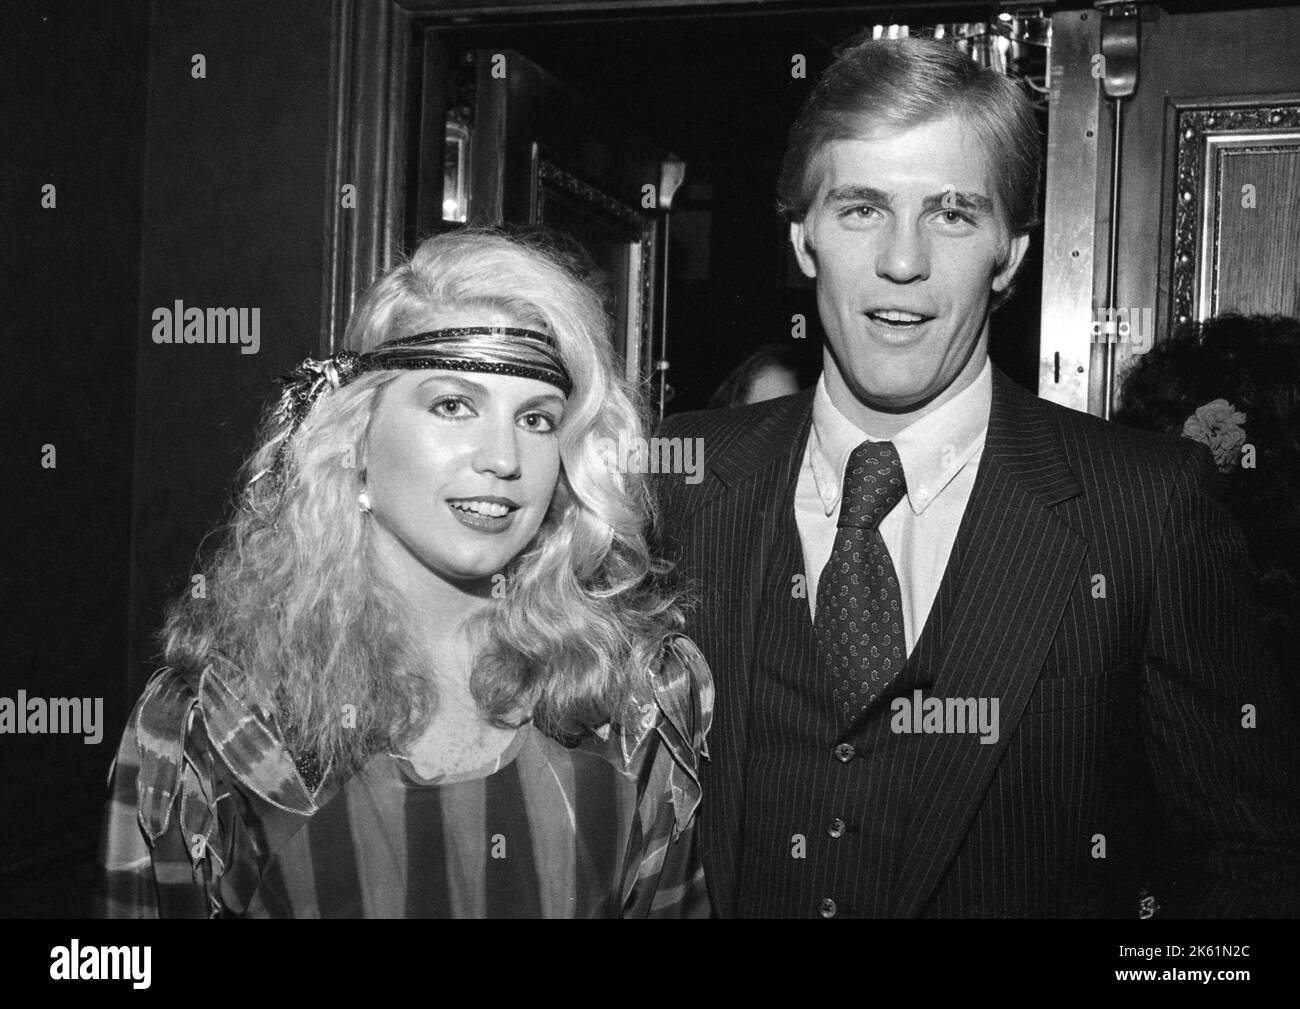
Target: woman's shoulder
{"type": "Point", "coordinates": [191, 721]}
{"type": "Point", "coordinates": [195, 761]}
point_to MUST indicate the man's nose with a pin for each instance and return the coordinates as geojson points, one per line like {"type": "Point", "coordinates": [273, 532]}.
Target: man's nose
{"type": "Point", "coordinates": [498, 452]}
{"type": "Point", "coordinates": [904, 254]}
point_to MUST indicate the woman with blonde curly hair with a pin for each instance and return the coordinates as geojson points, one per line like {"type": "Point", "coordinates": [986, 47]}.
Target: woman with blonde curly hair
{"type": "Point", "coordinates": [435, 673]}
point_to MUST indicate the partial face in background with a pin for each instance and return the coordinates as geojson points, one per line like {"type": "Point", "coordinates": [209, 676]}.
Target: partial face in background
{"type": "Point", "coordinates": [460, 470]}
{"type": "Point", "coordinates": [771, 381]}
{"type": "Point", "coordinates": [907, 242]}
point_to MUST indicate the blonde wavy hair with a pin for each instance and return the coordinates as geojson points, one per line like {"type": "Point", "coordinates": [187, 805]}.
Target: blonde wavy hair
{"type": "Point", "coordinates": [297, 617]}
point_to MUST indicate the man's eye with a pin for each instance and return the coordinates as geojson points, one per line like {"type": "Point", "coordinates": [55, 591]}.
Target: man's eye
{"type": "Point", "coordinates": [540, 423]}
{"type": "Point", "coordinates": [955, 217]}
{"type": "Point", "coordinates": [451, 406]}
{"type": "Point", "coordinates": [861, 212]}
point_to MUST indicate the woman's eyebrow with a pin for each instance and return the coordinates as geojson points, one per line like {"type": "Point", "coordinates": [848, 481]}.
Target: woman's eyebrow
{"type": "Point", "coordinates": [546, 398]}
{"type": "Point", "coordinates": [463, 384]}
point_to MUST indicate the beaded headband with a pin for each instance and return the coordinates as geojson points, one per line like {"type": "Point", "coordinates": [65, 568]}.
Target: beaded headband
{"type": "Point", "coordinates": [500, 350]}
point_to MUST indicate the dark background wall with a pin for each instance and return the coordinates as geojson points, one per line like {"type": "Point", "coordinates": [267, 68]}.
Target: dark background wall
{"type": "Point", "coordinates": [233, 217]}
{"type": "Point", "coordinates": [169, 187]}
{"type": "Point", "coordinates": [73, 115]}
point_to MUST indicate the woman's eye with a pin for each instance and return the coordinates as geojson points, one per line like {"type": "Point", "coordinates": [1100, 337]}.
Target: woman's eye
{"type": "Point", "coordinates": [541, 423]}
{"type": "Point", "coordinates": [451, 406]}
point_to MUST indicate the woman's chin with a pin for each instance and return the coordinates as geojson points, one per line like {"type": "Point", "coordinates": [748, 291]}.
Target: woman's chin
{"type": "Point", "coordinates": [472, 574]}
{"type": "Point", "coordinates": [469, 561]}
{"type": "Point", "coordinates": [468, 577]}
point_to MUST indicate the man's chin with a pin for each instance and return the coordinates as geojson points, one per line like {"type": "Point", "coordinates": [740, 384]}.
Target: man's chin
{"type": "Point", "coordinates": [896, 399]}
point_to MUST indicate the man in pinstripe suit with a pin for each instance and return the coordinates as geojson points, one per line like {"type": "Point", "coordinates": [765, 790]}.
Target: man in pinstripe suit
{"type": "Point", "coordinates": [1031, 687]}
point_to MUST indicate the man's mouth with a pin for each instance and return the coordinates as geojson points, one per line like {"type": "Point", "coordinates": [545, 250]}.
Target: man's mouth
{"type": "Point", "coordinates": [898, 317]}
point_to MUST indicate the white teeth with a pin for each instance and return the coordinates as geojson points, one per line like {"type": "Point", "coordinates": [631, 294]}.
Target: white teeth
{"type": "Point", "coordinates": [896, 316]}
{"type": "Point", "coordinates": [488, 508]}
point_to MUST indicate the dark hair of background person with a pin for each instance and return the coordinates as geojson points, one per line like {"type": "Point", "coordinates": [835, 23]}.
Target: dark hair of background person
{"type": "Point", "coordinates": [1253, 362]}
{"type": "Point", "coordinates": [735, 389]}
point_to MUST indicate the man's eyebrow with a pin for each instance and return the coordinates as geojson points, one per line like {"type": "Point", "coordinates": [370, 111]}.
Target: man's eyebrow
{"type": "Point", "coordinates": [858, 194]}
{"type": "Point", "coordinates": [959, 200]}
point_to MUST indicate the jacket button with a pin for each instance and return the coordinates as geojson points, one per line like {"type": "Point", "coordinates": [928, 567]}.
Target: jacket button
{"type": "Point", "coordinates": [835, 828]}
{"type": "Point", "coordinates": [844, 752]}
{"type": "Point", "coordinates": [827, 908]}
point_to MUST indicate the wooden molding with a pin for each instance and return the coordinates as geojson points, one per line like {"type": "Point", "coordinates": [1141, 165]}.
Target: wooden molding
{"type": "Point", "coordinates": [367, 149]}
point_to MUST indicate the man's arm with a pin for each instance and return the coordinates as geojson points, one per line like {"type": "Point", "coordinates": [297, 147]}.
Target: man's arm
{"type": "Point", "coordinates": [1218, 722]}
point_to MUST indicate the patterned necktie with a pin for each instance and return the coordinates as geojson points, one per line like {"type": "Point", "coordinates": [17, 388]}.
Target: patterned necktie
{"type": "Point", "coordinates": [859, 623]}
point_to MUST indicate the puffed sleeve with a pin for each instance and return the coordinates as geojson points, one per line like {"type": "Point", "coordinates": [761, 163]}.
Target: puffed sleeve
{"type": "Point", "coordinates": [158, 854]}
{"type": "Point", "coordinates": [666, 879]}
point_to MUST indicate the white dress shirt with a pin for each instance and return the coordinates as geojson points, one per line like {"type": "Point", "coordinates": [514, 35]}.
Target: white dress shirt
{"type": "Point", "coordinates": [940, 454]}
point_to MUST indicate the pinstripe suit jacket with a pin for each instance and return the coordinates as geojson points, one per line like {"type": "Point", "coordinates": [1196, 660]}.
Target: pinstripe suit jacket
{"type": "Point", "coordinates": [1121, 713]}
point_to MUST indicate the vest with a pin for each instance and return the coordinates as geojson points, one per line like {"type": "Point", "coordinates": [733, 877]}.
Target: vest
{"type": "Point", "coordinates": [827, 807]}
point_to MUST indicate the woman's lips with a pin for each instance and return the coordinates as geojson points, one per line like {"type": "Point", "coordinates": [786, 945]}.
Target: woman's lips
{"type": "Point", "coordinates": [486, 514]}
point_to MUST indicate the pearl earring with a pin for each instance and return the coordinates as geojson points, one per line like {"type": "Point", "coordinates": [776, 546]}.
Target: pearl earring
{"type": "Point", "coordinates": [363, 503]}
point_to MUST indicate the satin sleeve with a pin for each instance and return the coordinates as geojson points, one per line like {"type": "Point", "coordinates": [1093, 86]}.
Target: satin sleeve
{"type": "Point", "coordinates": [665, 876]}
{"type": "Point", "coordinates": [158, 855]}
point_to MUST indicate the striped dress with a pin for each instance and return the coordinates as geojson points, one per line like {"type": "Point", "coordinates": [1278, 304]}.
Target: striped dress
{"type": "Point", "coordinates": [211, 817]}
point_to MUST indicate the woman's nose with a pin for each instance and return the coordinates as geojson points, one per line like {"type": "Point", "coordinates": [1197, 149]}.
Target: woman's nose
{"type": "Point", "coordinates": [498, 452]}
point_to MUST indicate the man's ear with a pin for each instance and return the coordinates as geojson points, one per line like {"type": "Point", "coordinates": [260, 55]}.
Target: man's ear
{"type": "Point", "coordinates": [1015, 256]}
{"type": "Point", "coordinates": [803, 250]}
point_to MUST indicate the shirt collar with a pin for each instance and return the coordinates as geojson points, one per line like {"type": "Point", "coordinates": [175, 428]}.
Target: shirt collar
{"type": "Point", "coordinates": [933, 449]}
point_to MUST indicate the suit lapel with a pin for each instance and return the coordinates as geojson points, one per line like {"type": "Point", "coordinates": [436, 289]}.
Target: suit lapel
{"type": "Point", "coordinates": [749, 475]}
{"type": "Point", "coordinates": [1016, 562]}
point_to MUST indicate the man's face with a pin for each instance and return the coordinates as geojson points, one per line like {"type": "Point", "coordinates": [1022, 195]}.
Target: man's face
{"type": "Point", "coordinates": [907, 242]}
